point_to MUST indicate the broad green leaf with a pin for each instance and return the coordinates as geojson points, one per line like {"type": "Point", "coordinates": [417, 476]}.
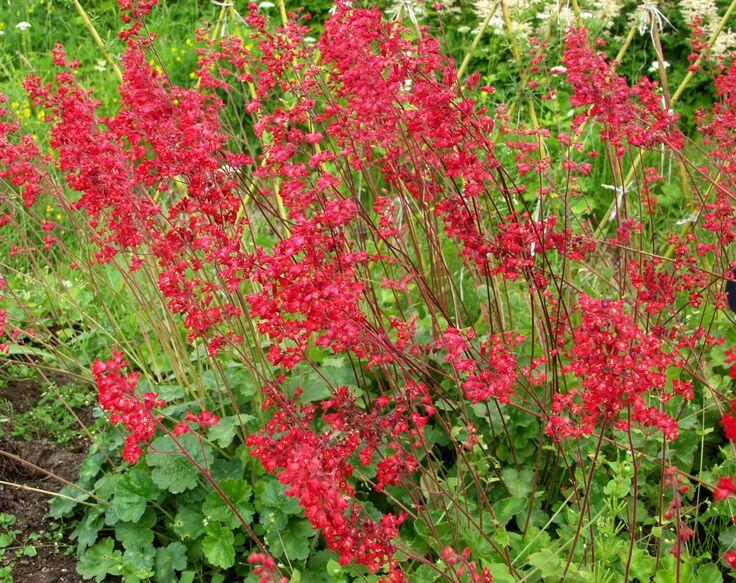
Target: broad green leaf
{"type": "Point", "coordinates": [132, 494]}
{"type": "Point", "coordinates": [238, 493]}
{"type": "Point", "coordinates": [292, 541]}
{"type": "Point", "coordinates": [172, 470]}
{"type": "Point", "coordinates": [100, 560]}
{"type": "Point", "coordinates": [334, 569]}
{"type": "Point", "coordinates": [313, 386]}
{"type": "Point", "coordinates": [501, 573]}
{"type": "Point", "coordinates": [133, 535]}
{"type": "Point", "coordinates": [273, 505]}
{"type": "Point", "coordinates": [642, 565]}
{"type": "Point", "coordinates": [87, 529]}
{"type": "Point", "coordinates": [548, 563]}
{"type": "Point", "coordinates": [668, 571]}
{"type": "Point", "coordinates": [709, 573]}
{"type": "Point", "coordinates": [17, 349]}
{"type": "Point", "coordinates": [217, 546]}
{"type": "Point", "coordinates": [105, 486]}
{"type": "Point", "coordinates": [63, 507]}
{"type": "Point", "coordinates": [507, 508]}
{"type": "Point", "coordinates": [188, 524]}
{"type": "Point", "coordinates": [138, 564]}
{"type": "Point", "coordinates": [727, 538]}
{"type": "Point", "coordinates": [225, 431]}
{"type": "Point", "coordinates": [519, 482]}
{"type": "Point", "coordinates": [168, 560]}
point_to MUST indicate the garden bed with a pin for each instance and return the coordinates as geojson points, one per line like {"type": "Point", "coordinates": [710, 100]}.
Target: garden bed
{"type": "Point", "coordinates": [54, 558]}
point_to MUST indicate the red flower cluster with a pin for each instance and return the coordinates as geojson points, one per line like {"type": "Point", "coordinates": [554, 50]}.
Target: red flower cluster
{"type": "Point", "coordinates": [204, 420]}
{"type": "Point", "coordinates": [683, 533]}
{"type": "Point", "coordinates": [494, 381]}
{"type": "Point", "coordinates": [117, 395]}
{"type": "Point", "coordinates": [628, 114]}
{"type": "Point", "coordinates": [619, 366]}
{"type": "Point", "coordinates": [463, 566]}
{"type": "Point", "coordinates": [20, 157]}
{"type": "Point", "coordinates": [266, 568]}
{"type": "Point", "coordinates": [381, 119]}
{"type": "Point", "coordinates": [316, 469]}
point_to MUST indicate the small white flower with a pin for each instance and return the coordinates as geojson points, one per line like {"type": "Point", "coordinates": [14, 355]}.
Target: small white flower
{"type": "Point", "coordinates": [689, 219]}
{"type": "Point", "coordinates": [23, 25]}
{"type": "Point", "coordinates": [309, 39]}
{"type": "Point", "coordinates": [654, 67]}
{"type": "Point", "coordinates": [264, 5]}
{"type": "Point", "coordinates": [558, 70]}
{"type": "Point", "coordinates": [101, 64]}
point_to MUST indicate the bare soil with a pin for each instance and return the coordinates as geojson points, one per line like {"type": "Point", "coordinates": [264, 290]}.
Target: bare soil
{"type": "Point", "coordinates": [52, 564]}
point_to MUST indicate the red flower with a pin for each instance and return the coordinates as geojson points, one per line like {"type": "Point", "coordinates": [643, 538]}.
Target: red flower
{"type": "Point", "coordinates": [728, 422]}
{"type": "Point", "coordinates": [730, 558]}
{"type": "Point", "coordinates": [724, 489]}
{"type": "Point", "coordinates": [181, 428]}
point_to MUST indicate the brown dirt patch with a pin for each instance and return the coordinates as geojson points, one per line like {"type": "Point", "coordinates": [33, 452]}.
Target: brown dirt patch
{"type": "Point", "coordinates": [51, 564]}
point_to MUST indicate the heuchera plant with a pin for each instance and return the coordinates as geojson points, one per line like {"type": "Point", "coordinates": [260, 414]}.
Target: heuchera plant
{"type": "Point", "coordinates": [306, 204]}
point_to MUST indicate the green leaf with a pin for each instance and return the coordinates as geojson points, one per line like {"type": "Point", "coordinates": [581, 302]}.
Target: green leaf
{"type": "Point", "coordinates": [709, 573]}
{"type": "Point", "coordinates": [225, 431]}
{"type": "Point", "coordinates": [518, 482]}
{"type": "Point", "coordinates": [507, 508]}
{"type": "Point", "coordinates": [105, 486]}
{"type": "Point", "coordinates": [29, 551]}
{"type": "Point", "coordinates": [240, 380]}
{"type": "Point", "coordinates": [549, 563]}
{"type": "Point", "coordinates": [87, 529]}
{"type": "Point", "coordinates": [132, 494]}
{"type": "Point", "coordinates": [642, 565]}
{"type": "Point", "coordinates": [63, 507]}
{"type": "Point", "coordinates": [218, 547]}
{"type": "Point", "coordinates": [172, 470]}
{"type": "Point", "coordinates": [238, 493]}
{"type": "Point", "coordinates": [334, 569]}
{"type": "Point", "coordinates": [100, 560]}
{"type": "Point", "coordinates": [668, 571]}
{"type": "Point", "coordinates": [273, 505]}
{"type": "Point", "coordinates": [313, 386]}
{"type": "Point", "coordinates": [133, 535]}
{"type": "Point", "coordinates": [272, 493]}
{"type": "Point", "coordinates": [168, 560]}
{"type": "Point", "coordinates": [188, 524]}
{"type": "Point", "coordinates": [138, 564]}
{"type": "Point", "coordinates": [293, 541]}
{"type": "Point", "coordinates": [17, 349]}
{"type": "Point", "coordinates": [501, 573]}
{"type": "Point", "coordinates": [727, 538]}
